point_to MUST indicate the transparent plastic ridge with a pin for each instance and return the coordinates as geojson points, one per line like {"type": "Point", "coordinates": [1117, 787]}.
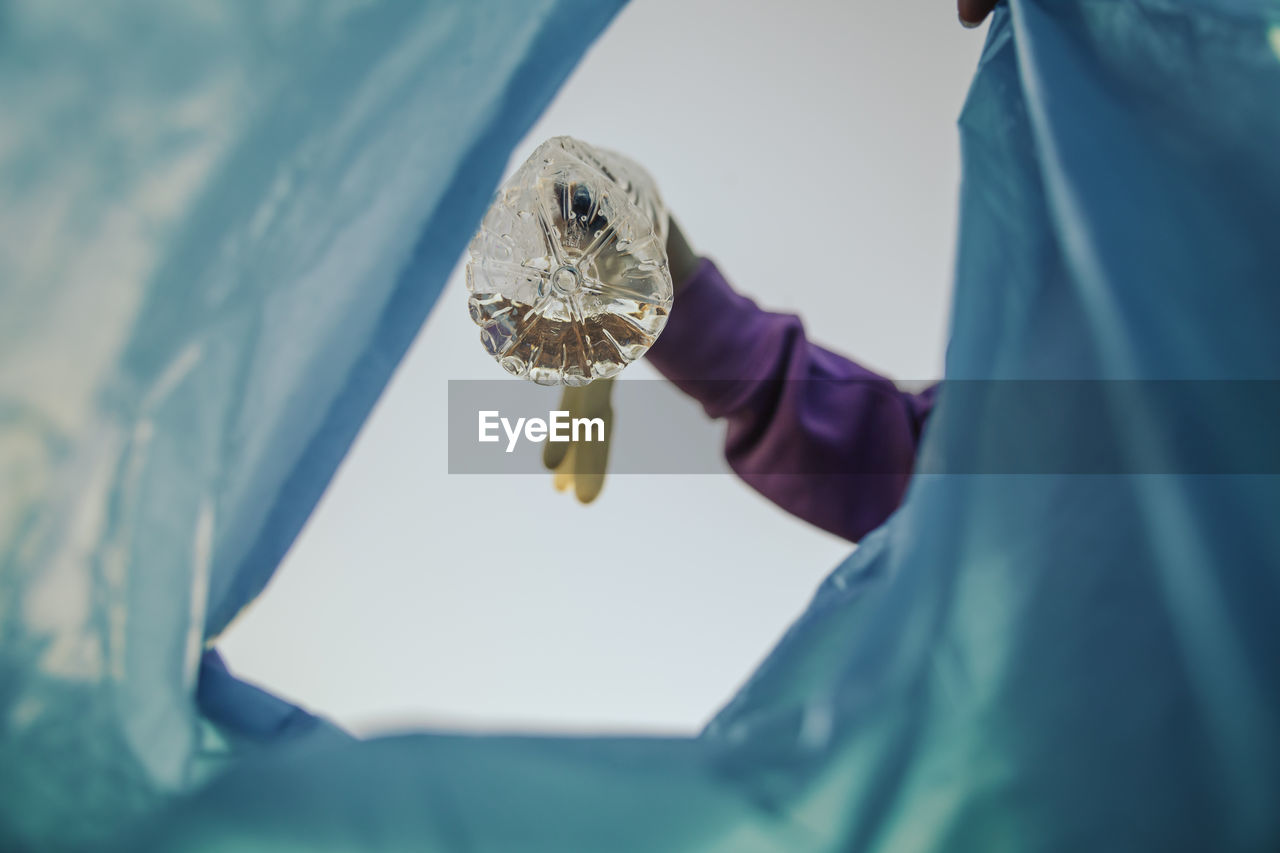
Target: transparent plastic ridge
{"type": "Point", "coordinates": [568, 275]}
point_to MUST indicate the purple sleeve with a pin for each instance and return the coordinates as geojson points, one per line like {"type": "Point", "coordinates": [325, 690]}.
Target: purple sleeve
{"type": "Point", "coordinates": [820, 436]}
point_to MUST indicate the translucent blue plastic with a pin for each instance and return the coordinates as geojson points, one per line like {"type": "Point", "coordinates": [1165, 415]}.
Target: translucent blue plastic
{"type": "Point", "coordinates": [222, 224]}
{"type": "Point", "coordinates": [1047, 662]}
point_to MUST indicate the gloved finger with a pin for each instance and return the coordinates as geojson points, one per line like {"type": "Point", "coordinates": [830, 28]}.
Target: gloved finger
{"type": "Point", "coordinates": [554, 452]}
{"type": "Point", "coordinates": [595, 400]}
{"type": "Point", "coordinates": [562, 479]}
{"type": "Point", "coordinates": [590, 459]}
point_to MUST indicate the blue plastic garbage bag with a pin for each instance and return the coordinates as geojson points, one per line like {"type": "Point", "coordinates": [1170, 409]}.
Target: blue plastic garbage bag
{"type": "Point", "coordinates": [222, 224]}
{"type": "Point", "coordinates": [1055, 661]}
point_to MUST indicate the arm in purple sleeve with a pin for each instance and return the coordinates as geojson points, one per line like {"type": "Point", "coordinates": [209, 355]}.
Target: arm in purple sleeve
{"type": "Point", "coordinates": [820, 436]}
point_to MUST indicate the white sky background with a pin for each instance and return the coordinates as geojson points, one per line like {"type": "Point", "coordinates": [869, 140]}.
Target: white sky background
{"type": "Point", "coordinates": [810, 148]}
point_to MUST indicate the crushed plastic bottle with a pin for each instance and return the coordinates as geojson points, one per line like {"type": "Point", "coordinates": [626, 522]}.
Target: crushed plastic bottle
{"type": "Point", "coordinates": [568, 274]}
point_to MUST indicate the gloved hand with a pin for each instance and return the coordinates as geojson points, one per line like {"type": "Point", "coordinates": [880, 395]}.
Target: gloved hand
{"type": "Point", "coordinates": [581, 464]}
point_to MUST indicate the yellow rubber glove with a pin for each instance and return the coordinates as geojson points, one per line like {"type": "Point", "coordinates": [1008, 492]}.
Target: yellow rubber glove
{"type": "Point", "coordinates": [581, 464]}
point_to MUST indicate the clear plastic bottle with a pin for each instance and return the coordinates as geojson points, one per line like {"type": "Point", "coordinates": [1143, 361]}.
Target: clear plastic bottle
{"type": "Point", "coordinates": [568, 275]}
